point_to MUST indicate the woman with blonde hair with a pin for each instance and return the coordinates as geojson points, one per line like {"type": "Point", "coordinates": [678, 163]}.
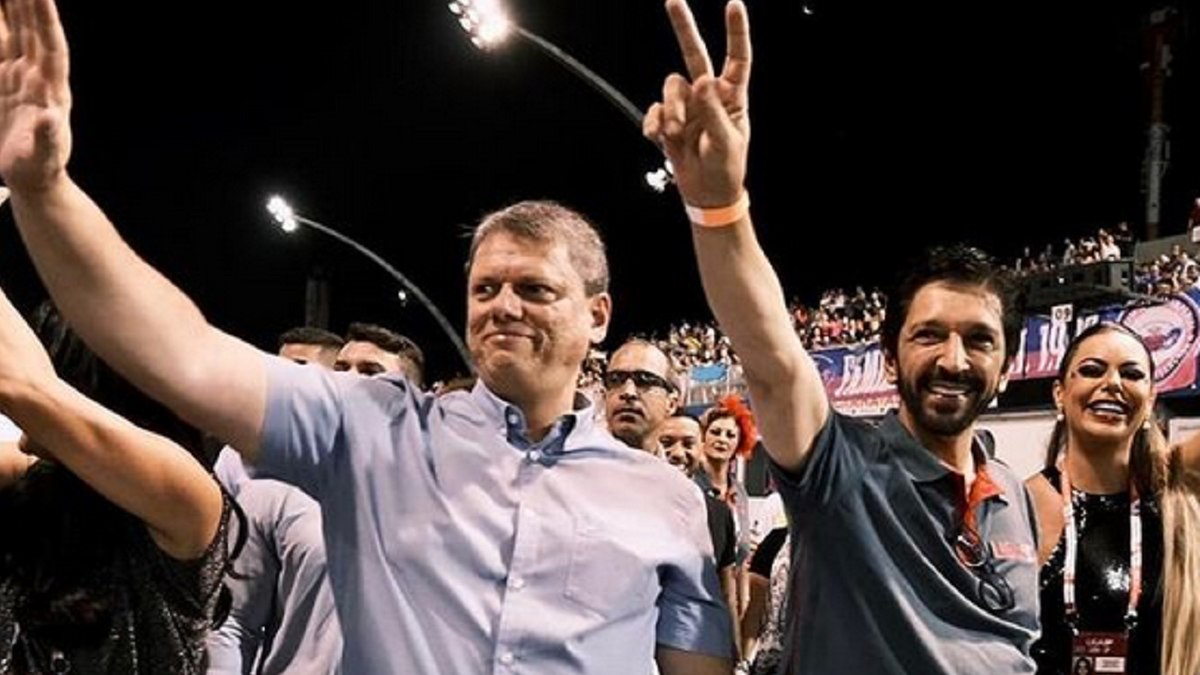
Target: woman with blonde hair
{"type": "Point", "coordinates": [1119, 515]}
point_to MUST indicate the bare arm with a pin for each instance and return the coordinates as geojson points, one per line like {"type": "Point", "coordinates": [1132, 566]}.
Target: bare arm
{"type": "Point", "coordinates": [143, 473]}
{"type": "Point", "coordinates": [126, 311]}
{"type": "Point", "coordinates": [1047, 503]}
{"type": "Point", "coordinates": [755, 616]}
{"type": "Point", "coordinates": [134, 319]}
{"type": "Point", "coordinates": [678, 662]}
{"type": "Point", "coordinates": [704, 128]}
{"type": "Point", "coordinates": [729, 590]}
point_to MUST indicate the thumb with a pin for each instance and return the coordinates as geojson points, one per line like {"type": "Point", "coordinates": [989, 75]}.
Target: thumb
{"type": "Point", "coordinates": [47, 134]}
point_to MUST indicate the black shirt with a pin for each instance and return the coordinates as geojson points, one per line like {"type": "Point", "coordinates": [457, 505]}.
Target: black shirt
{"type": "Point", "coordinates": [720, 528]}
{"type": "Point", "coordinates": [1102, 581]}
{"type": "Point", "coordinates": [764, 555]}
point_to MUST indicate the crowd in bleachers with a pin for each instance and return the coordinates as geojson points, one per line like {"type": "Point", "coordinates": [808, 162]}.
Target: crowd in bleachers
{"type": "Point", "coordinates": [1168, 274]}
{"type": "Point", "coordinates": [1103, 245]}
{"type": "Point", "coordinates": [842, 318]}
{"type": "Point", "coordinates": [697, 344]}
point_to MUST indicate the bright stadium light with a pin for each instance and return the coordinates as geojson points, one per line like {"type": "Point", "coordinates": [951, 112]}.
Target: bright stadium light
{"type": "Point", "coordinates": [483, 20]}
{"type": "Point", "coordinates": [283, 214]}
{"type": "Point", "coordinates": [289, 221]}
{"type": "Point", "coordinates": [488, 27]}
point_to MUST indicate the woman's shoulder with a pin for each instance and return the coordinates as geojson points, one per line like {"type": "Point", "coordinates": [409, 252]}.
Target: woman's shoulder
{"type": "Point", "coordinates": [1047, 507]}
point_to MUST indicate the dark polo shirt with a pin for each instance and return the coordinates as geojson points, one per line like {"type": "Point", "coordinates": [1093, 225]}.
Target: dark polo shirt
{"type": "Point", "coordinates": [877, 586]}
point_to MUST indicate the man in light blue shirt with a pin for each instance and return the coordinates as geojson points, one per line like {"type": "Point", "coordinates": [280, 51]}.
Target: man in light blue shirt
{"type": "Point", "coordinates": [502, 537]}
{"type": "Point", "coordinates": [494, 531]}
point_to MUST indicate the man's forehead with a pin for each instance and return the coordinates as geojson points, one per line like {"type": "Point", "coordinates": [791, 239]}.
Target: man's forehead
{"type": "Point", "coordinates": [945, 302]}
{"type": "Point", "coordinates": [502, 245]}
{"type": "Point", "coordinates": [293, 350]}
{"type": "Point", "coordinates": [362, 349]}
{"type": "Point", "coordinates": [640, 356]}
{"type": "Point", "coordinates": [679, 426]}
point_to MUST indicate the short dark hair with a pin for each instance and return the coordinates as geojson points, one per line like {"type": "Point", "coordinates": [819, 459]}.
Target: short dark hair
{"type": "Point", "coordinates": [389, 341]}
{"type": "Point", "coordinates": [682, 414]}
{"type": "Point", "coordinates": [958, 265]}
{"type": "Point", "coordinates": [551, 222]}
{"type": "Point", "coordinates": [310, 335]}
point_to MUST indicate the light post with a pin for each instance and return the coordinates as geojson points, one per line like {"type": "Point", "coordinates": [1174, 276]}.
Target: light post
{"type": "Point", "coordinates": [289, 221]}
{"type": "Point", "coordinates": [488, 27]}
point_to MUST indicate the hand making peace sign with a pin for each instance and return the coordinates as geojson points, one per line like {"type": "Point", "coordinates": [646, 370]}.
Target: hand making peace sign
{"type": "Point", "coordinates": [703, 125]}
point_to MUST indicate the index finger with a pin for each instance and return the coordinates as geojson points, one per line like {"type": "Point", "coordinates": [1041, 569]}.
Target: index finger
{"type": "Point", "coordinates": [695, 54]}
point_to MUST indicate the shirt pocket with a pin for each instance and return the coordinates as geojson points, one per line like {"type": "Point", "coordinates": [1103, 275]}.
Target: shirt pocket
{"type": "Point", "coordinates": [610, 572]}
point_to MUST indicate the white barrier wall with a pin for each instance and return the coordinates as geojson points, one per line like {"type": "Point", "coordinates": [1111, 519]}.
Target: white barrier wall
{"type": "Point", "coordinates": [1180, 428]}
{"type": "Point", "coordinates": [1021, 438]}
{"type": "Point", "coordinates": [8, 430]}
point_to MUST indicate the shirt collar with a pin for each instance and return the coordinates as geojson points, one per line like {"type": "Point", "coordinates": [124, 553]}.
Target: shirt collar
{"type": "Point", "coordinates": [919, 462]}
{"type": "Point", "coordinates": [511, 420]}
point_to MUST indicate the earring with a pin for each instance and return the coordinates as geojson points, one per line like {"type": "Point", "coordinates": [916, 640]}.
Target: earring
{"type": "Point", "coordinates": [1060, 416]}
{"type": "Point", "coordinates": [1146, 424]}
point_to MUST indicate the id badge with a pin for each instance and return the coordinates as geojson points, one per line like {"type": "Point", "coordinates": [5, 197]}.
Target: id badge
{"type": "Point", "coordinates": [1093, 653]}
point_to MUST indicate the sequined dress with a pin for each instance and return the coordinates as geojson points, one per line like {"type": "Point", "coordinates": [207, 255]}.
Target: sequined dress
{"type": "Point", "coordinates": [1102, 582]}
{"type": "Point", "coordinates": [162, 611]}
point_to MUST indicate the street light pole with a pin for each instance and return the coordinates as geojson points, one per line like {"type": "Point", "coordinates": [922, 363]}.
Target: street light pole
{"type": "Point", "coordinates": [289, 221]}
{"type": "Point", "coordinates": [488, 26]}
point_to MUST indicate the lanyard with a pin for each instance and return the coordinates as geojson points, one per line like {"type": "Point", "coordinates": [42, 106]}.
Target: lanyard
{"type": "Point", "coordinates": [1072, 546]}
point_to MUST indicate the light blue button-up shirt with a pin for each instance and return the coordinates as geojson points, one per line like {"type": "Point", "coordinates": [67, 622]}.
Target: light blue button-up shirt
{"type": "Point", "coordinates": [456, 545]}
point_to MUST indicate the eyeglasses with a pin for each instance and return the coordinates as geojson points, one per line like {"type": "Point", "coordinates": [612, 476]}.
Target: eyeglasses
{"type": "Point", "coordinates": [975, 555]}
{"type": "Point", "coordinates": [642, 379]}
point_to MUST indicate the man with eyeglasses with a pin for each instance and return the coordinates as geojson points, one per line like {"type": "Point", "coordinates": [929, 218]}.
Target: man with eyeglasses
{"type": "Point", "coordinates": [641, 400]}
{"type": "Point", "coordinates": [914, 552]}
{"type": "Point", "coordinates": [639, 390]}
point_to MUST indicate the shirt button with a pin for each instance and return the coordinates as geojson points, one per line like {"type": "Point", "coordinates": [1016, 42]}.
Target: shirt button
{"type": "Point", "coordinates": [513, 419]}
{"type": "Point", "coordinates": [534, 455]}
{"type": "Point", "coordinates": [517, 583]}
{"type": "Point", "coordinates": [507, 658]}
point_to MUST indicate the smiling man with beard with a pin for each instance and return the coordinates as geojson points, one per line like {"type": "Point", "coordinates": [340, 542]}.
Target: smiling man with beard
{"type": "Point", "coordinates": [913, 552]}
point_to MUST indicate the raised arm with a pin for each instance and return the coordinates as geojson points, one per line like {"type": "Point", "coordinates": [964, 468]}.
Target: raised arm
{"type": "Point", "coordinates": [143, 473]}
{"type": "Point", "coordinates": [703, 126]}
{"type": "Point", "coordinates": [126, 311]}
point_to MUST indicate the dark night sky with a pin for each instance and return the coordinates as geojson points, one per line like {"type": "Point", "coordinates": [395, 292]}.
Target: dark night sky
{"type": "Point", "coordinates": [1000, 123]}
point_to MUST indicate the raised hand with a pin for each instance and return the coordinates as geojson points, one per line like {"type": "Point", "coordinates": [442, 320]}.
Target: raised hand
{"type": "Point", "coordinates": [35, 97]}
{"type": "Point", "coordinates": [703, 123]}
